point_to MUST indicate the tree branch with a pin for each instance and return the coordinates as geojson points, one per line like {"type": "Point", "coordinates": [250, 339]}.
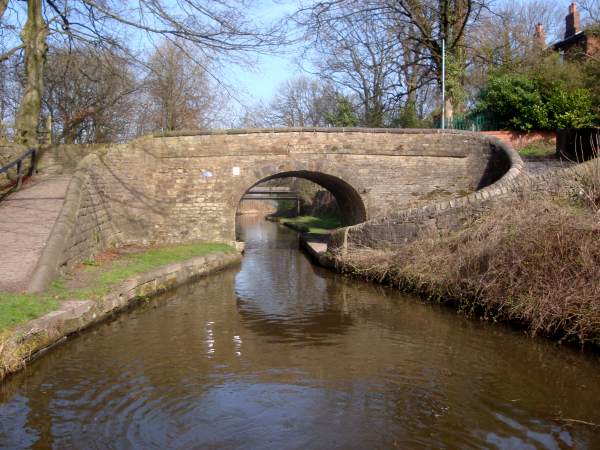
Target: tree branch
{"type": "Point", "coordinates": [6, 55]}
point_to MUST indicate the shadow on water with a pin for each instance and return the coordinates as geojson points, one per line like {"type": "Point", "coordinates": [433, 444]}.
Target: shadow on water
{"type": "Point", "coordinates": [280, 354]}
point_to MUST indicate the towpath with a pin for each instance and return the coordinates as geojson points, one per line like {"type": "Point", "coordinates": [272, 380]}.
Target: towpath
{"type": "Point", "coordinates": [26, 220]}
{"type": "Point", "coordinates": [537, 166]}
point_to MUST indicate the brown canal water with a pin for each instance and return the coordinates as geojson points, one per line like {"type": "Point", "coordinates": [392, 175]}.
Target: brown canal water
{"type": "Point", "coordinates": [280, 354]}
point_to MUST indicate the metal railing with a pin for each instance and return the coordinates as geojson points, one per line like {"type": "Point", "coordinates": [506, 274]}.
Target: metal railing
{"type": "Point", "coordinates": [470, 123]}
{"type": "Point", "coordinates": [19, 165]}
{"type": "Point", "coordinates": [271, 193]}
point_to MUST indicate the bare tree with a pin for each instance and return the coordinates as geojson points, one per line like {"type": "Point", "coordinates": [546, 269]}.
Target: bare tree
{"type": "Point", "coordinates": [258, 115]}
{"type": "Point", "coordinates": [88, 94]}
{"type": "Point", "coordinates": [421, 25]}
{"type": "Point", "coordinates": [505, 37]}
{"type": "Point", "coordinates": [356, 49]}
{"type": "Point", "coordinates": [217, 29]}
{"type": "Point", "coordinates": [181, 93]}
{"type": "Point", "coordinates": [34, 35]}
{"type": "Point", "coordinates": [10, 93]}
{"type": "Point", "coordinates": [449, 21]}
{"type": "Point", "coordinates": [303, 102]}
{"type": "Point", "coordinates": [592, 10]}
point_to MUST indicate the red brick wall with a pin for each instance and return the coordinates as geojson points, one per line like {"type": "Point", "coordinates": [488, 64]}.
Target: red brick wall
{"type": "Point", "coordinates": [519, 139]}
{"type": "Point", "coordinates": [593, 46]}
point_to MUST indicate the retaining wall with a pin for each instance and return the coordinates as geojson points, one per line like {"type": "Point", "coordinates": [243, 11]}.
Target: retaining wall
{"type": "Point", "coordinates": [404, 226]}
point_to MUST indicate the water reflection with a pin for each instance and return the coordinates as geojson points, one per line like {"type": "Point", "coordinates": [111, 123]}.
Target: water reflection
{"type": "Point", "coordinates": [279, 293]}
{"type": "Point", "coordinates": [280, 354]}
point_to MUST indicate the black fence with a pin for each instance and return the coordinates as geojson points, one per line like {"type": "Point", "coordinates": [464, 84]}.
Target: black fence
{"type": "Point", "coordinates": [19, 165]}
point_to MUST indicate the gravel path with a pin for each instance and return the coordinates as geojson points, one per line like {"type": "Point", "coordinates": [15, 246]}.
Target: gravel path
{"type": "Point", "coordinates": [26, 219]}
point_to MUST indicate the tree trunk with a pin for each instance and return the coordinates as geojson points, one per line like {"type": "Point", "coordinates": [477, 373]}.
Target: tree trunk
{"type": "Point", "coordinates": [3, 5]}
{"type": "Point", "coordinates": [34, 36]}
{"type": "Point", "coordinates": [448, 109]}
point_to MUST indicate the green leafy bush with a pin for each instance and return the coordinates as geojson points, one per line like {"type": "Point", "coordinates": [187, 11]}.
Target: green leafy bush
{"type": "Point", "coordinates": [522, 102]}
{"type": "Point", "coordinates": [344, 116]}
{"type": "Point", "coordinates": [514, 101]}
{"type": "Point", "coordinates": [570, 109]}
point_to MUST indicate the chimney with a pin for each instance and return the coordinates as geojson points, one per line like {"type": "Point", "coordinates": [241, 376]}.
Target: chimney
{"type": "Point", "coordinates": [573, 21]}
{"type": "Point", "coordinates": [539, 36]}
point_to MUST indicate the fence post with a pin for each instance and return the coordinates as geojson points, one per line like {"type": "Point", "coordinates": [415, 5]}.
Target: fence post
{"type": "Point", "coordinates": [32, 170]}
{"type": "Point", "coordinates": [19, 174]}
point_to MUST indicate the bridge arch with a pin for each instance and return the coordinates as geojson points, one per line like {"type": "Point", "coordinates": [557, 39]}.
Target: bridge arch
{"type": "Point", "coordinates": [349, 200]}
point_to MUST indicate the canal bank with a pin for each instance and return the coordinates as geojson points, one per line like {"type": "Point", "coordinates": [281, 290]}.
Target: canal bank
{"type": "Point", "coordinates": [25, 342]}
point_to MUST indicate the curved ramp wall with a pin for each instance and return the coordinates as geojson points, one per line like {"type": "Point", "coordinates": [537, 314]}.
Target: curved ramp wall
{"type": "Point", "coordinates": [406, 225]}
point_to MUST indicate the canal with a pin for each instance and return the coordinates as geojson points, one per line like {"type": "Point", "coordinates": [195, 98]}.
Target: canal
{"type": "Point", "coordinates": [280, 354]}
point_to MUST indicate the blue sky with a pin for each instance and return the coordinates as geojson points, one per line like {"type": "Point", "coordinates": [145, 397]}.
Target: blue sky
{"type": "Point", "coordinates": [260, 81]}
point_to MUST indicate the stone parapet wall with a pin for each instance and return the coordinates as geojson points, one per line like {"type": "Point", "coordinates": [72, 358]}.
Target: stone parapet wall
{"type": "Point", "coordinates": [92, 229]}
{"type": "Point", "coordinates": [184, 187]}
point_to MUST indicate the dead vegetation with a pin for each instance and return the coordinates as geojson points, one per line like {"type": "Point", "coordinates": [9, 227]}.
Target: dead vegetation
{"type": "Point", "coordinates": [533, 261]}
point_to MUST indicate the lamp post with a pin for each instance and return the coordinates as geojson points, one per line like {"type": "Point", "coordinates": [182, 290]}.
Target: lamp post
{"type": "Point", "coordinates": [443, 84]}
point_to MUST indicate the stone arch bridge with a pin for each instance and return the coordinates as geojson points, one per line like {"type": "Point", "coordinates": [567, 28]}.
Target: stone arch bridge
{"type": "Point", "coordinates": [185, 187]}
{"type": "Point", "coordinates": [188, 187]}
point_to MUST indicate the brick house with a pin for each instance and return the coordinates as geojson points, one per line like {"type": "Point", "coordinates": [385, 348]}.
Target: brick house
{"type": "Point", "coordinates": [576, 42]}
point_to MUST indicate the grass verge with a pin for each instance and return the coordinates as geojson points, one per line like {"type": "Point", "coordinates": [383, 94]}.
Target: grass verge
{"type": "Point", "coordinates": [19, 308]}
{"type": "Point", "coordinates": [538, 149]}
{"type": "Point", "coordinates": [312, 224]}
{"type": "Point", "coordinates": [96, 278]}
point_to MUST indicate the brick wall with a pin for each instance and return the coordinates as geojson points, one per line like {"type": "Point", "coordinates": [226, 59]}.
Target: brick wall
{"type": "Point", "coordinates": [519, 139]}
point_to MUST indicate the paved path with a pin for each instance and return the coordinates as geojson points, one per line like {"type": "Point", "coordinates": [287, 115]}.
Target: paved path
{"type": "Point", "coordinates": [541, 165]}
{"type": "Point", "coordinates": [26, 219]}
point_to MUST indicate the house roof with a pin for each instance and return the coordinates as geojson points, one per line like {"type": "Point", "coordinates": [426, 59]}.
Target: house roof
{"type": "Point", "coordinates": [573, 39]}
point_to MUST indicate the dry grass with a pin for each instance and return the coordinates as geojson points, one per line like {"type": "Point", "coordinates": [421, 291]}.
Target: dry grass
{"type": "Point", "coordinates": [589, 184]}
{"type": "Point", "coordinates": [535, 262]}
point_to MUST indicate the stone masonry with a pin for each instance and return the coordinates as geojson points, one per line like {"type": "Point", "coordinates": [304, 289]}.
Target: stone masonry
{"type": "Point", "coordinates": [168, 189]}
